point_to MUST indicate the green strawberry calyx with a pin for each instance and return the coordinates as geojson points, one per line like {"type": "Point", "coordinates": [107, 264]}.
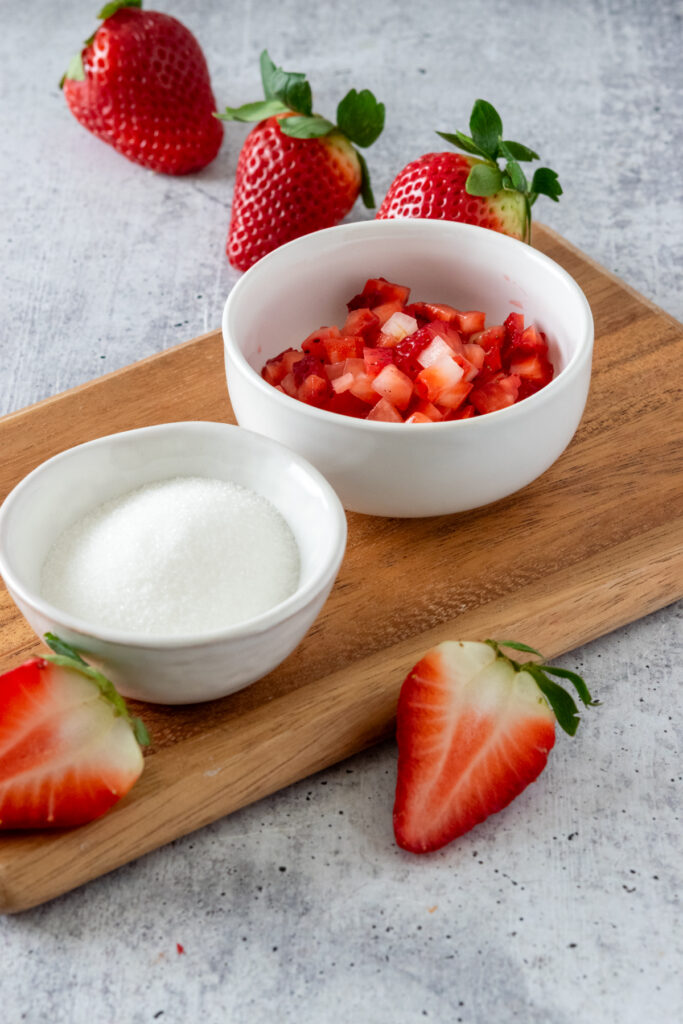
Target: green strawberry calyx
{"type": "Point", "coordinates": [66, 656]}
{"type": "Point", "coordinates": [561, 702]}
{"type": "Point", "coordinates": [360, 117]}
{"type": "Point", "coordinates": [488, 178]}
{"type": "Point", "coordinates": [75, 70]}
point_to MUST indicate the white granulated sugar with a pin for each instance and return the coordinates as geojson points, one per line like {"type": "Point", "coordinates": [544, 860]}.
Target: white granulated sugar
{"type": "Point", "coordinates": [186, 555]}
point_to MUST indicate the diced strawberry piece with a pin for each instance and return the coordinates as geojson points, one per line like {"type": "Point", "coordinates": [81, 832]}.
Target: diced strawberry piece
{"type": "Point", "coordinates": [342, 348]}
{"type": "Point", "coordinates": [532, 340]}
{"type": "Point", "coordinates": [362, 388]}
{"type": "Point", "coordinates": [377, 291]}
{"type": "Point", "coordinates": [418, 417]}
{"type": "Point", "coordinates": [468, 368]}
{"type": "Point", "coordinates": [472, 734]}
{"type": "Point", "coordinates": [443, 374]}
{"type": "Point", "coordinates": [449, 333]}
{"type": "Point", "coordinates": [314, 390]}
{"type": "Point", "coordinates": [289, 385]}
{"type": "Point", "coordinates": [437, 349]}
{"type": "Point", "coordinates": [386, 311]}
{"type": "Point", "coordinates": [355, 366]}
{"type": "Point", "coordinates": [347, 404]}
{"type": "Point", "coordinates": [464, 412]}
{"type": "Point", "coordinates": [470, 322]}
{"type": "Point", "coordinates": [453, 397]}
{"type": "Point", "coordinates": [376, 359]}
{"type": "Point", "coordinates": [334, 370]}
{"type": "Point", "coordinates": [492, 337]}
{"type": "Point", "coordinates": [533, 367]}
{"type": "Point", "coordinates": [305, 366]}
{"type": "Point", "coordinates": [394, 385]}
{"type": "Point", "coordinates": [475, 355]}
{"type": "Point", "coordinates": [397, 327]}
{"type": "Point", "coordinates": [68, 749]}
{"type": "Point", "coordinates": [315, 342]}
{"type": "Point", "coordinates": [277, 368]}
{"type": "Point", "coordinates": [514, 326]}
{"type": "Point", "coordinates": [362, 323]}
{"type": "Point", "coordinates": [407, 351]}
{"type": "Point", "coordinates": [343, 383]}
{"type": "Point", "coordinates": [434, 311]}
{"type": "Point", "coordinates": [385, 412]}
{"type": "Point", "coordinates": [427, 409]}
{"type": "Point", "coordinates": [497, 394]}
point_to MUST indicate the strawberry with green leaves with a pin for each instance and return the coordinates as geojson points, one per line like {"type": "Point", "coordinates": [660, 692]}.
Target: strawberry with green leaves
{"type": "Point", "coordinates": [69, 749]}
{"type": "Point", "coordinates": [141, 84]}
{"type": "Point", "coordinates": [473, 189]}
{"type": "Point", "coordinates": [297, 172]}
{"type": "Point", "coordinates": [474, 728]}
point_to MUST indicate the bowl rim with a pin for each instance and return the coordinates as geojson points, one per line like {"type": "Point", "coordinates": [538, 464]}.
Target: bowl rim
{"type": "Point", "coordinates": [325, 572]}
{"type": "Point", "coordinates": [414, 225]}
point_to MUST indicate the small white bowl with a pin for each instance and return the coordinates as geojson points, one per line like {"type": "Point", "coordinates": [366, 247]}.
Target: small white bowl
{"type": "Point", "coordinates": [178, 669]}
{"type": "Point", "coordinates": [396, 469]}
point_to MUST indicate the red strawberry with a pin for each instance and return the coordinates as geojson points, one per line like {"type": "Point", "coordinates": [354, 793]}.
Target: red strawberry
{"type": "Point", "coordinates": [68, 747]}
{"type": "Point", "coordinates": [297, 172]}
{"type": "Point", "coordinates": [141, 84]}
{"type": "Point", "coordinates": [474, 728]}
{"type": "Point", "coordinates": [473, 188]}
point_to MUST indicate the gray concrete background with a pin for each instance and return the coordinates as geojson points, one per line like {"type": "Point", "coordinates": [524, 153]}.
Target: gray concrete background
{"type": "Point", "coordinates": [300, 908]}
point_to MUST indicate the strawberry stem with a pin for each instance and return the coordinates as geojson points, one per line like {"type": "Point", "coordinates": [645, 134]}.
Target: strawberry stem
{"type": "Point", "coordinates": [562, 703]}
{"type": "Point", "coordinates": [488, 178]}
{"type": "Point", "coordinates": [360, 118]}
{"type": "Point", "coordinates": [67, 656]}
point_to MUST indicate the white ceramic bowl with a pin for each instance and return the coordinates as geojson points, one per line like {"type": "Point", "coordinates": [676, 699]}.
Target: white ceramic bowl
{"type": "Point", "coordinates": [179, 669]}
{"type": "Point", "coordinates": [395, 469]}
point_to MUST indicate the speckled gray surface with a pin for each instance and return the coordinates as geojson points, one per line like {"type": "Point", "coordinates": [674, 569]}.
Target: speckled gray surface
{"type": "Point", "coordinates": [300, 908]}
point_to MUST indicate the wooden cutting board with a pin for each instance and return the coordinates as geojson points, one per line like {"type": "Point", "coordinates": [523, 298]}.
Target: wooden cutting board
{"type": "Point", "coordinates": [594, 543]}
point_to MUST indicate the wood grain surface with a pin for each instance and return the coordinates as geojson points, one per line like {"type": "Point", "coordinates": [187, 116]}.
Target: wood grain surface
{"type": "Point", "coordinates": [596, 542]}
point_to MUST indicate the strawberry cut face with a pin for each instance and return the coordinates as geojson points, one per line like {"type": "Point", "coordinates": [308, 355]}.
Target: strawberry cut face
{"type": "Point", "coordinates": [472, 734]}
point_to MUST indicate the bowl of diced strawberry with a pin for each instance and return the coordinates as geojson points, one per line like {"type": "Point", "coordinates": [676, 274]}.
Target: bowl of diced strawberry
{"type": "Point", "coordinates": [425, 367]}
{"type": "Point", "coordinates": [397, 361]}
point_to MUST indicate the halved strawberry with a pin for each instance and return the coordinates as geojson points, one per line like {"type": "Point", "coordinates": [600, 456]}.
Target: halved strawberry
{"type": "Point", "coordinates": [68, 747]}
{"type": "Point", "coordinates": [474, 728]}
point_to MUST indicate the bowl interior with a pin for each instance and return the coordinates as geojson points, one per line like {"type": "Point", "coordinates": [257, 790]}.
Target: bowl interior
{"type": "Point", "coordinates": [307, 283]}
{"type": "Point", "coordinates": [65, 488]}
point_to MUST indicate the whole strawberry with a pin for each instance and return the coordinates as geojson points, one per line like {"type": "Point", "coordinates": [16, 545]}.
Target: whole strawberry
{"type": "Point", "coordinates": [297, 172]}
{"type": "Point", "coordinates": [473, 189]}
{"type": "Point", "coordinates": [141, 84]}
